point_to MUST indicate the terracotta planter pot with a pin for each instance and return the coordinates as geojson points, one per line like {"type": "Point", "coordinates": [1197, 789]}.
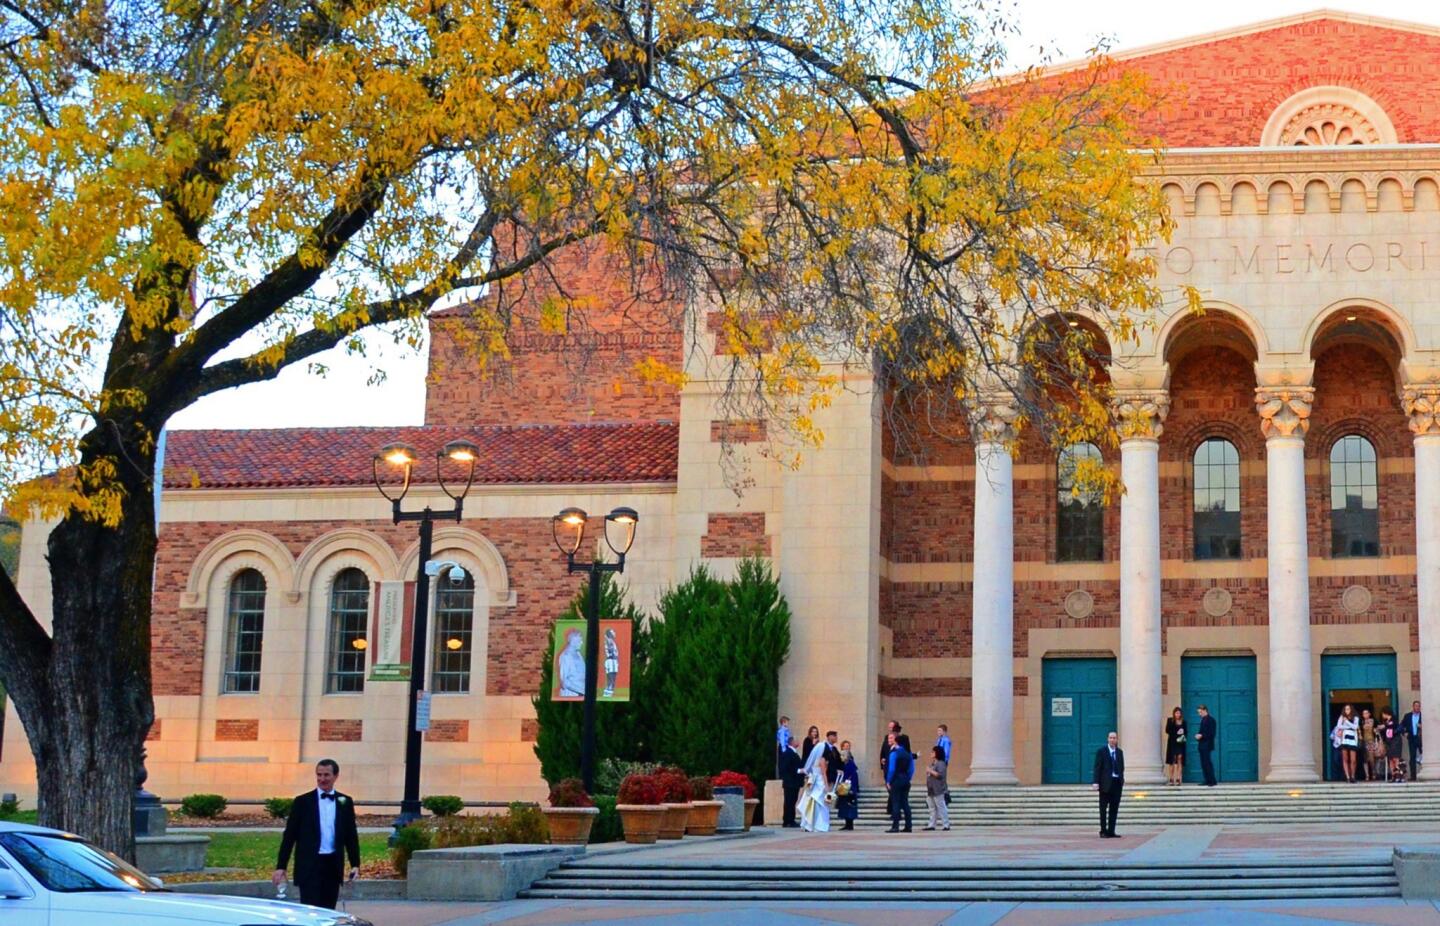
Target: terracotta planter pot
{"type": "Point", "coordinates": [704, 817]}
{"type": "Point", "coordinates": [570, 826]}
{"type": "Point", "coordinates": [641, 822]}
{"type": "Point", "coordinates": [750, 804]}
{"type": "Point", "coordinates": [673, 826]}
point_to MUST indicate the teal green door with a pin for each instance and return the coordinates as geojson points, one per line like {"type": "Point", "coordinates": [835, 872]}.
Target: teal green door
{"type": "Point", "coordinates": [1362, 680]}
{"type": "Point", "coordinates": [1079, 706]}
{"type": "Point", "coordinates": [1226, 686]}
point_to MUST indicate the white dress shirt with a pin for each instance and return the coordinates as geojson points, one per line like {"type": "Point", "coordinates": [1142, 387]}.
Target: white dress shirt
{"type": "Point", "coordinates": [327, 822]}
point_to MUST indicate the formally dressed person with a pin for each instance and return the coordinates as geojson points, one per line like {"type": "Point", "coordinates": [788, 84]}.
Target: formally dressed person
{"type": "Point", "coordinates": [1108, 778]}
{"type": "Point", "coordinates": [1205, 739]}
{"type": "Point", "coordinates": [321, 833]}
{"type": "Point", "coordinates": [791, 777]}
{"type": "Point", "coordinates": [1175, 745]}
{"type": "Point", "coordinates": [935, 790]}
{"type": "Point", "coordinates": [898, 772]}
{"type": "Point", "coordinates": [1346, 735]}
{"type": "Point", "coordinates": [1387, 731]}
{"type": "Point", "coordinates": [1410, 728]}
{"type": "Point", "coordinates": [833, 763]}
{"type": "Point", "coordinates": [812, 739]}
{"type": "Point", "coordinates": [848, 806]}
{"type": "Point", "coordinates": [811, 808]}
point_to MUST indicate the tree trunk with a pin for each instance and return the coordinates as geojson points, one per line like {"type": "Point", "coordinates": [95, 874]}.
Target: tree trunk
{"type": "Point", "coordinates": [87, 710]}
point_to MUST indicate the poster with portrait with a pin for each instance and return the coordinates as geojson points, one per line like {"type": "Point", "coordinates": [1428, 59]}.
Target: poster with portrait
{"type": "Point", "coordinates": [613, 683]}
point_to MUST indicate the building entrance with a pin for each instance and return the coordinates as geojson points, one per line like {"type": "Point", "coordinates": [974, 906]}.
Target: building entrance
{"type": "Point", "coordinates": [1226, 686]}
{"type": "Point", "coordinates": [1365, 681]}
{"type": "Point", "coordinates": [1079, 706]}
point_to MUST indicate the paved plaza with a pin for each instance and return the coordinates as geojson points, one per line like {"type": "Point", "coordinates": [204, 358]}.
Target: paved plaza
{"type": "Point", "coordinates": [996, 845]}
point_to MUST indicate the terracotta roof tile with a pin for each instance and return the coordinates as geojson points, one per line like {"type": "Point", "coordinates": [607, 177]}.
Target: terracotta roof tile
{"type": "Point", "coordinates": [524, 454]}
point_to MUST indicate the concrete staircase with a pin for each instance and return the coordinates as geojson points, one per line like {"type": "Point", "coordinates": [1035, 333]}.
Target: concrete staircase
{"type": "Point", "coordinates": [1233, 804]}
{"type": "Point", "coordinates": [931, 879]}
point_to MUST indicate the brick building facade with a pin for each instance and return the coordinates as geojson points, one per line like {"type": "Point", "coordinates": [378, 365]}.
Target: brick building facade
{"type": "Point", "coordinates": [1276, 551]}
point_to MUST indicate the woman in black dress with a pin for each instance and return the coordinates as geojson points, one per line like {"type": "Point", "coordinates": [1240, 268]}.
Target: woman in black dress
{"type": "Point", "coordinates": [1388, 731]}
{"type": "Point", "coordinates": [1175, 748]}
{"type": "Point", "coordinates": [812, 738]}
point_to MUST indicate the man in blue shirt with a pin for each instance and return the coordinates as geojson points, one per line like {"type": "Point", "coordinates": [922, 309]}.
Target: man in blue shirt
{"type": "Point", "coordinates": [782, 743]}
{"type": "Point", "coordinates": [942, 739]}
{"type": "Point", "coordinates": [899, 769]}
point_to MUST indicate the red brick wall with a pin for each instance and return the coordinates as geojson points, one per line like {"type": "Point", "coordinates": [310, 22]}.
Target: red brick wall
{"type": "Point", "coordinates": [237, 731]}
{"type": "Point", "coordinates": [516, 635]}
{"type": "Point", "coordinates": [529, 730]}
{"type": "Point", "coordinates": [154, 732]}
{"type": "Point", "coordinates": [341, 731]}
{"type": "Point", "coordinates": [448, 731]}
{"type": "Point", "coordinates": [735, 534]}
{"type": "Point", "coordinates": [738, 431]}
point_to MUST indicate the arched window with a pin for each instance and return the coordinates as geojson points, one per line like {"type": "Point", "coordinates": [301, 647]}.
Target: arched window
{"type": "Point", "coordinates": [244, 632]}
{"type": "Point", "coordinates": [1217, 500]}
{"type": "Point", "coordinates": [454, 623]}
{"type": "Point", "coordinates": [346, 649]}
{"type": "Point", "coordinates": [1079, 514]}
{"type": "Point", "coordinates": [1354, 498]}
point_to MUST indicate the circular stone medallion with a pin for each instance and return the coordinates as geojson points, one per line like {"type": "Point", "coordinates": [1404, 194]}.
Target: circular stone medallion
{"type": "Point", "coordinates": [1079, 603]}
{"type": "Point", "coordinates": [1355, 599]}
{"type": "Point", "coordinates": [1216, 602]}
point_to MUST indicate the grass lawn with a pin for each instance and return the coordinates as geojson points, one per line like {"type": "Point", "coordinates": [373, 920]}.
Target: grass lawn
{"type": "Point", "coordinates": [255, 852]}
{"type": "Point", "coordinates": [24, 816]}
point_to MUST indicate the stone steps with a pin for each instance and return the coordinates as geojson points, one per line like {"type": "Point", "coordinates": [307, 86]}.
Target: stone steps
{"type": "Point", "coordinates": [763, 880]}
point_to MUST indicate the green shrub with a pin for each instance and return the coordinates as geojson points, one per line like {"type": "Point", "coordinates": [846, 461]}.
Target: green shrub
{"type": "Point", "coordinates": [9, 807]}
{"type": "Point", "coordinates": [279, 807]}
{"type": "Point", "coordinates": [411, 839]}
{"type": "Point", "coordinates": [205, 806]}
{"type": "Point", "coordinates": [607, 827]}
{"type": "Point", "coordinates": [526, 825]}
{"type": "Point", "coordinates": [613, 771]}
{"type": "Point", "coordinates": [443, 805]}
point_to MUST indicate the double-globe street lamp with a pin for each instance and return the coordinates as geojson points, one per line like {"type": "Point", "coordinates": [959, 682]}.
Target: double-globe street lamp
{"type": "Point", "coordinates": [403, 457]}
{"type": "Point", "coordinates": [568, 528]}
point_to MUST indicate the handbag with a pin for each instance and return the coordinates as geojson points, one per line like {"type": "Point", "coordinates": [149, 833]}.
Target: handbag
{"type": "Point", "coordinates": [947, 797]}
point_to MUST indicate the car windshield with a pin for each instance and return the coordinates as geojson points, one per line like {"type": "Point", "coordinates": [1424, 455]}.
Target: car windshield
{"type": "Point", "coordinates": [67, 864]}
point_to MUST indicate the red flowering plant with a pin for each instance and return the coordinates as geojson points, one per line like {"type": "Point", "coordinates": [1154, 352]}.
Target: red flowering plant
{"type": "Point", "coordinates": [728, 779]}
{"type": "Point", "coordinates": [640, 789]}
{"type": "Point", "coordinates": [570, 792]}
{"type": "Point", "coordinates": [702, 789]}
{"type": "Point", "coordinates": [674, 785]}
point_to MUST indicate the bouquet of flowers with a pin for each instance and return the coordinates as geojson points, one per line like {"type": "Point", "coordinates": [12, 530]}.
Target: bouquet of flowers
{"type": "Point", "coordinates": [842, 787]}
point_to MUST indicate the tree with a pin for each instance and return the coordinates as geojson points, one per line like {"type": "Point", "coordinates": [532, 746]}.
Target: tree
{"type": "Point", "coordinates": [195, 195]}
{"type": "Point", "coordinates": [620, 727]}
{"type": "Point", "coordinates": [713, 678]}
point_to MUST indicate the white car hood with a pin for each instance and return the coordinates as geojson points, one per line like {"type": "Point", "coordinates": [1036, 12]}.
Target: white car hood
{"type": "Point", "coordinates": [161, 907]}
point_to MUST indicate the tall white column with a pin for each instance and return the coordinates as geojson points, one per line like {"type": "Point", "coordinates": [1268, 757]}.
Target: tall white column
{"type": "Point", "coordinates": [1138, 419]}
{"type": "Point", "coordinates": [1284, 419]}
{"type": "Point", "coordinates": [992, 628]}
{"type": "Point", "coordinates": [1422, 403]}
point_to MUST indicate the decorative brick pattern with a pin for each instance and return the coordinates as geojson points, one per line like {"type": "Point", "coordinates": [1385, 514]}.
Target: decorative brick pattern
{"type": "Point", "coordinates": [738, 431]}
{"type": "Point", "coordinates": [734, 535]}
{"type": "Point", "coordinates": [154, 732]}
{"type": "Point", "coordinates": [893, 687]}
{"type": "Point", "coordinates": [237, 731]}
{"type": "Point", "coordinates": [341, 731]}
{"type": "Point", "coordinates": [448, 731]}
{"type": "Point", "coordinates": [529, 730]}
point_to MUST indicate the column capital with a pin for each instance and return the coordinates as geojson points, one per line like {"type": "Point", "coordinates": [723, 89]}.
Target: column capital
{"type": "Point", "coordinates": [1140, 414]}
{"type": "Point", "coordinates": [1421, 402]}
{"type": "Point", "coordinates": [1284, 410]}
{"type": "Point", "coordinates": [992, 418]}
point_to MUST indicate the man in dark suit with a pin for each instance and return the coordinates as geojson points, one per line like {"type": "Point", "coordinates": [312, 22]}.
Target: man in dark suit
{"type": "Point", "coordinates": [321, 832]}
{"type": "Point", "coordinates": [898, 772]}
{"type": "Point", "coordinates": [834, 765]}
{"type": "Point", "coordinates": [1109, 780]}
{"type": "Point", "coordinates": [791, 776]}
{"type": "Point", "coordinates": [885, 746]}
{"type": "Point", "coordinates": [1205, 742]}
{"type": "Point", "coordinates": [1410, 727]}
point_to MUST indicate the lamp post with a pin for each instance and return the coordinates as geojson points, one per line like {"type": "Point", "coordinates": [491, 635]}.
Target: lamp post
{"type": "Point", "coordinates": [404, 458]}
{"type": "Point", "coordinates": [568, 528]}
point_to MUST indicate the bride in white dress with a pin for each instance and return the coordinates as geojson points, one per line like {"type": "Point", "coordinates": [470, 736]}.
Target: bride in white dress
{"type": "Point", "coordinates": [811, 808]}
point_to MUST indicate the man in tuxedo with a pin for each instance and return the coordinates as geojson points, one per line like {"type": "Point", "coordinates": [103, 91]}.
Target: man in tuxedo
{"type": "Point", "coordinates": [791, 776]}
{"type": "Point", "coordinates": [1205, 742]}
{"type": "Point", "coordinates": [1410, 728]}
{"type": "Point", "coordinates": [1109, 780]}
{"type": "Point", "coordinates": [321, 832]}
{"type": "Point", "coordinates": [834, 765]}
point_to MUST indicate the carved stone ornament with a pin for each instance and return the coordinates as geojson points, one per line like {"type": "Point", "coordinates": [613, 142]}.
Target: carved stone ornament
{"type": "Point", "coordinates": [1422, 404]}
{"type": "Point", "coordinates": [1217, 602]}
{"type": "Point", "coordinates": [992, 419]}
{"type": "Point", "coordinates": [1355, 599]}
{"type": "Point", "coordinates": [1079, 604]}
{"type": "Point", "coordinates": [1284, 410]}
{"type": "Point", "coordinates": [1140, 415]}
{"type": "Point", "coordinates": [1329, 124]}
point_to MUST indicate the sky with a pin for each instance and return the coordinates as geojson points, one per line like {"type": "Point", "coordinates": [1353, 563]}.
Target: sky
{"type": "Point", "coordinates": [1051, 29]}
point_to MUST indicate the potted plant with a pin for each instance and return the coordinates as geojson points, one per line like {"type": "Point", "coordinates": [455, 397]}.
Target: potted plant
{"type": "Point", "coordinates": [728, 779]}
{"type": "Point", "coordinates": [675, 792]}
{"type": "Point", "coordinates": [704, 813]}
{"type": "Point", "coordinates": [571, 813]}
{"type": "Point", "coordinates": [641, 806]}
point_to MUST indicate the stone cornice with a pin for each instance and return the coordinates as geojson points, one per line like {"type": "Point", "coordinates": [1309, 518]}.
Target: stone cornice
{"type": "Point", "coordinates": [1284, 410]}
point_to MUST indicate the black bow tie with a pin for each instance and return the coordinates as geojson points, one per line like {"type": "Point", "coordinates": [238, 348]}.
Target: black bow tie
{"type": "Point", "coordinates": [328, 795]}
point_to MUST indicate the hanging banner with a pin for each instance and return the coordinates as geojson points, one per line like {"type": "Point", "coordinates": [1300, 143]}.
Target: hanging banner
{"type": "Point", "coordinates": [391, 633]}
{"type": "Point", "coordinates": [569, 667]}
